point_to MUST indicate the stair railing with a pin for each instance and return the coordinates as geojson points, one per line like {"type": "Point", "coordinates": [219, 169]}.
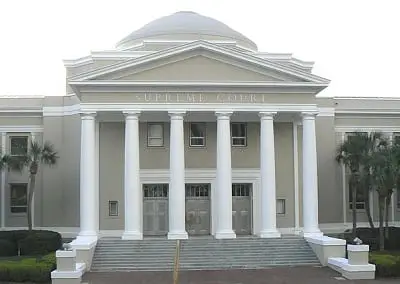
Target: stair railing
{"type": "Point", "coordinates": [176, 261]}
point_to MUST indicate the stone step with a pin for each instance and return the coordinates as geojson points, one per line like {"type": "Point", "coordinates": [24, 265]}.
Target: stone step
{"type": "Point", "coordinates": [290, 251]}
{"type": "Point", "coordinates": [113, 254]}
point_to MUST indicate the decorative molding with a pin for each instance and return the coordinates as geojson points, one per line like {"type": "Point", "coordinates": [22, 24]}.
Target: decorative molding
{"type": "Point", "coordinates": [195, 83]}
{"type": "Point", "coordinates": [201, 45]}
{"type": "Point", "coordinates": [326, 111]}
{"type": "Point", "coordinates": [364, 128]}
{"type": "Point", "coordinates": [21, 128]}
{"type": "Point", "coordinates": [201, 107]}
{"type": "Point", "coordinates": [161, 175]}
{"type": "Point", "coordinates": [338, 98]}
{"type": "Point", "coordinates": [61, 110]}
{"type": "Point", "coordinates": [368, 111]}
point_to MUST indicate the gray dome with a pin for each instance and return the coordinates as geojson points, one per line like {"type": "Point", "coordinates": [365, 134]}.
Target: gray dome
{"type": "Point", "coordinates": [186, 25]}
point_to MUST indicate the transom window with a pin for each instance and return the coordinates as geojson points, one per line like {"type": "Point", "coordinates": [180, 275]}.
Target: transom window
{"type": "Point", "coordinates": [19, 198]}
{"type": "Point", "coordinates": [239, 134]}
{"type": "Point", "coordinates": [18, 145]}
{"type": "Point", "coordinates": [197, 190]}
{"type": "Point", "coordinates": [197, 135]}
{"type": "Point", "coordinates": [155, 190]}
{"type": "Point", "coordinates": [155, 134]}
{"type": "Point", "coordinates": [241, 189]}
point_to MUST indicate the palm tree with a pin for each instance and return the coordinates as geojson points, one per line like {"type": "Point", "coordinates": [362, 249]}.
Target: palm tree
{"type": "Point", "coordinates": [386, 174]}
{"type": "Point", "coordinates": [352, 153]}
{"type": "Point", "coordinates": [36, 156]}
{"type": "Point", "coordinates": [356, 153]}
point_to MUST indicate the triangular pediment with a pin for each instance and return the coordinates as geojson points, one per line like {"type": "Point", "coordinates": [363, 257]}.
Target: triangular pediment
{"type": "Point", "coordinates": [198, 62]}
{"type": "Point", "coordinates": [193, 68]}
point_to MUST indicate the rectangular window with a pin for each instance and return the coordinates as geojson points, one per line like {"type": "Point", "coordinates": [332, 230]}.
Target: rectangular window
{"type": "Point", "coordinates": [239, 134]}
{"type": "Point", "coordinates": [360, 202]}
{"type": "Point", "coordinates": [197, 135]}
{"type": "Point", "coordinates": [155, 134]}
{"type": "Point", "coordinates": [113, 208]}
{"type": "Point", "coordinates": [280, 206]}
{"type": "Point", "coordinates": [19, 198]}
{"type": "Point", "coordinates": [18, 145]}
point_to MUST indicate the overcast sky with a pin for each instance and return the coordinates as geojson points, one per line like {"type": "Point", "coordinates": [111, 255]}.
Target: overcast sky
{"type": "Point", "coordinates": [355, 43]}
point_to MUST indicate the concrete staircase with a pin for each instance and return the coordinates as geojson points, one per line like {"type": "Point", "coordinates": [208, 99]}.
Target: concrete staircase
{"type": "Point", "coordinates": [202, 254]}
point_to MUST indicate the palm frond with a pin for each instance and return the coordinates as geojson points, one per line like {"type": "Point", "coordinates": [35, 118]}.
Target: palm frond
{"type": "Point", "coordinates": [48, 155]}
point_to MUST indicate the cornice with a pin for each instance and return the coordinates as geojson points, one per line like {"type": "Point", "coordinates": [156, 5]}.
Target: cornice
{"type": "Point", "coordinates": [203, 45]}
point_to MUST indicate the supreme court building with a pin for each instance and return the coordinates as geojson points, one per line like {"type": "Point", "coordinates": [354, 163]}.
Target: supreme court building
{"type": "Point", "coordinates": [187, 129]}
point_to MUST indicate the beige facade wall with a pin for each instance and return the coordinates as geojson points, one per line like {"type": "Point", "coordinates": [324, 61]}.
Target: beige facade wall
{"type": "Point", "coordinates": [157, 158]}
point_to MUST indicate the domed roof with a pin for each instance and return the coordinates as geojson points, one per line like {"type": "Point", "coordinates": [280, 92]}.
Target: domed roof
{"type": "Point", "coordinates": [186, 25]}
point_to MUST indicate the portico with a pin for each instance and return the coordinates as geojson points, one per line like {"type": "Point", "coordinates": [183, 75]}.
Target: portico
{"type": "Point", "coordinates": [221, 199]}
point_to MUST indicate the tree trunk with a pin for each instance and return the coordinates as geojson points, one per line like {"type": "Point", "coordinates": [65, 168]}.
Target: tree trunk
{"type": "Point", "coordinates": [388, 201]}
{"type": "Point", "coordinates": [368, 211]}
{"type": "Point", "coordinates": [381, 229]}
{"type": "Point", "coordinates": [354, 208]}
{"type": "Point", "coordinates": [32, 183]}
{"type": "Point", "coordinates": [367, 189]}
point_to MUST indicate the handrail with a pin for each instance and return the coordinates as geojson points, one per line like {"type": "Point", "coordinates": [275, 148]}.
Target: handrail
{"type": "Point", "coordinates": [176, 261]}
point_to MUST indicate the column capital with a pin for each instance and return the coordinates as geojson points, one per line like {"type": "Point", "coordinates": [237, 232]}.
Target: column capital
{"type": "Point", "coordinates": [309, 114]}
{"type": "Point", "coordinates": [89, 115]}
{"type": "Point", "coordinates": [223, 113]}
{"type": "Point", "coordinates": [267, 114]}
{"type": "Point", "coordinates": [176, 114]}
{"type": "Point", "coordinates": [131, 114]}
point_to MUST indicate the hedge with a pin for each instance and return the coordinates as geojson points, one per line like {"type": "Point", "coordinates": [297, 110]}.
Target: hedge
{"type": "Point", "coordinates": [387, 264]}
{"type": "Point", "coordinates": [33, 269]}
{"type": "Point", "coordinates": [371, 237]}
{"type": "Point", "coordinates": [36, 242]}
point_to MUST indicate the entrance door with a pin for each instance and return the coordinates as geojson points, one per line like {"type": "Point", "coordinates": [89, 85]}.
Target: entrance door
{"type": "Point", "coordinates": [155, 209]}
{"type": "Point", "coordinates": [198, 208]}
{"type": "Point", "coordinates": [241, 208]}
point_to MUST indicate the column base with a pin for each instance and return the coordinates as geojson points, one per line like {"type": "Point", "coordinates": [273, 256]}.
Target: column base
{"type": "Point", "coordinates": [87, 234]}
{"type": "Point", "coordinates": [311, 234]}
{"type": "Point", "coordinates": [225, 235]}
{"type": "Point", "coordinates": [178, 235]}
{"type": "Point", "coordinates": [132, 235]}
{"type": "Point", "coordinates": [269, 234]}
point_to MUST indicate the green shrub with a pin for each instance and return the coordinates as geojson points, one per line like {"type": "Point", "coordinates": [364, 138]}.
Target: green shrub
{"type": "Point", "coordinates": [387, 265]}
{"type": "Point", "coordinates": [35, 242]}
{"type": "Point", "coordinates": [36, 270]}
{"type": "Point", "coordinates": [371, 237]}
{"type": "Point", "coordinates": [8, 248]}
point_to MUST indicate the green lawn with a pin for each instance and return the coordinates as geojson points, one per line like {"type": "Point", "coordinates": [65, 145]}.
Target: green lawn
{"type": "Point", "coordinates": [25, 268]}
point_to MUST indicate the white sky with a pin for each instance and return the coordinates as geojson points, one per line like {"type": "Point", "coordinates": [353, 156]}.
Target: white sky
{"type": "Point", "coordinates": [355, 43]}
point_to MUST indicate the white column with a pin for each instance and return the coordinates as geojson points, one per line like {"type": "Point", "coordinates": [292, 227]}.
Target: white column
{"type": "Point", "coordinates": [176, 194]}
{"type": "Point", "coordinates": [88, 214]}
{"type": "Point", "coordinates": [267, 170]}
{"type": "Point", "coordinates": [3, 183]}
{"type": "Point", "coordinates": [310, 177]}
{"type": "Point", "coordinates": [224, 177]}
{"type": "Point", "coordinates": [296, 179]}
{"type": "Point", "coordinates": [97, 174]}
{"type": "Point", "coordinates": [133, 191]}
